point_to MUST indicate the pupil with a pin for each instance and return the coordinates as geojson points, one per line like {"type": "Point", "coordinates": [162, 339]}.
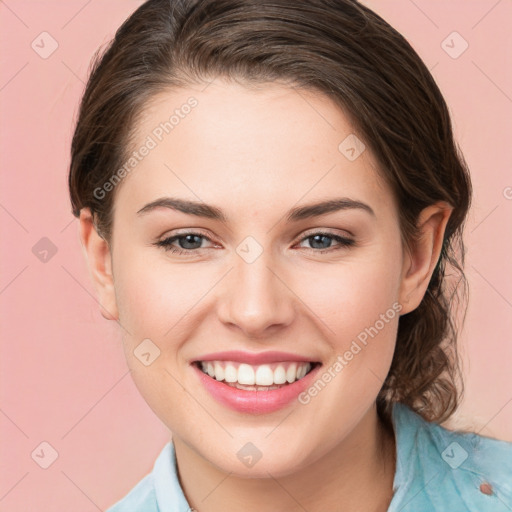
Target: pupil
{"type": "Point", "coordinates": [316, 239]}
{"type": "Point", "coordinates": [188, 239]}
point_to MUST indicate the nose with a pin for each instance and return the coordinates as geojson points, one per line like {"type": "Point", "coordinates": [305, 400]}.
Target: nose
{"type": "Point", "coordinates": [255, 299]}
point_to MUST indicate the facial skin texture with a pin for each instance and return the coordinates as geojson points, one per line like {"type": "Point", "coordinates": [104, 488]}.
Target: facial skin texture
{"type": "Point", "coordinates": [255, 153]}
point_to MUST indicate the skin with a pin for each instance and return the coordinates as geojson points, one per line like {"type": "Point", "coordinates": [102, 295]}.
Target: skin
{"type": "Point", "coordinates": [255, 153]}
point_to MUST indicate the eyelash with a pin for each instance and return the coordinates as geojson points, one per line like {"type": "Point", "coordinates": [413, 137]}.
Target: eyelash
{"type": "Point", "coordinates": [342, 241]}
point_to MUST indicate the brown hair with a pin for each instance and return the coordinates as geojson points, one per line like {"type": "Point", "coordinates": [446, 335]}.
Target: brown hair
{"type": "Point", "coordinates": [343, 50]}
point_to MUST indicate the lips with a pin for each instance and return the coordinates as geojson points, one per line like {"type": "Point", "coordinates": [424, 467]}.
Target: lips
{"type": "Point", "coordinates": [255, 383]}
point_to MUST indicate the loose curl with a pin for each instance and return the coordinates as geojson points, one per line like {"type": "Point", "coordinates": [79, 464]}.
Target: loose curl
{"type": "Point", "coordinates": [338, 48]}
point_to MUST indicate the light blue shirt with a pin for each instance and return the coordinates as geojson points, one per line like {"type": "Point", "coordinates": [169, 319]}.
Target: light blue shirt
{"type": "Point", "coordinates": [437, 470]}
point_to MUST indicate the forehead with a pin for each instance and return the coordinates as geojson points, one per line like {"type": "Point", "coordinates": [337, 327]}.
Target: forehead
{"type": "Point", "coordinates": [232, 144]}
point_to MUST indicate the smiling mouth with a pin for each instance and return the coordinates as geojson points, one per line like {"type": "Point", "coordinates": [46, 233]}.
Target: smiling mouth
{"type": "Point", "coordinates": [264, 377]}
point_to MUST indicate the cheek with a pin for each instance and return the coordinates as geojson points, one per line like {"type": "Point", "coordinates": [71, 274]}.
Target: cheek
{"type": "Point", "coordinates": [361, 309]}
{"type": "Point", "coordinates": [153, 296]}
{"type": "Point", "coordinates": [352, 295]}
{"type": "Point", "coordinates": [153, 299]}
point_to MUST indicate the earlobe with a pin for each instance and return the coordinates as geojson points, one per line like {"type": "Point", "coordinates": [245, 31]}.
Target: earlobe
{"type": "Point", "coordinates": [99, 260]}
{"type": "Point", "coordinates": [422, 255]}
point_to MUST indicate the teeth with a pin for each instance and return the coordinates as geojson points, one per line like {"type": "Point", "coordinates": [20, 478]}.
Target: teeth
{"type": "Point", "coordinates": [230, 373]}
{"type": "Point", "coordinates": [264, 376]}
{"type": "Point", "coordinates": [279, 375]}
{"type": "Point", "coordinates": [291, 373]}
{"type": "Point", "coordinates": [260, 377]}
{"type": "Point", "coordinates": [219, 371]}
{"type": "Point", "coordinates": [245, 375]}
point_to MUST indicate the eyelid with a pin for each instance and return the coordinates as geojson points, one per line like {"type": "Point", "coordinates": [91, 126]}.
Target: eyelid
{"type": "Point", "coordinates": [327, 231]}
{"type": "Point", "coordinates": [185, 231]}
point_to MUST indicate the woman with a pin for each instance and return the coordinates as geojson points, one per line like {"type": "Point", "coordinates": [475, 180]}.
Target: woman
{"type": "Point", "coordinates": [272, 202]}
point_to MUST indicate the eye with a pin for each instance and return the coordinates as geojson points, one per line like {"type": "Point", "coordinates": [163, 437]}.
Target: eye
{"type": "Point", "coordinates": [322, 242]}
{"type": "Point", "coordinates": [188, 243]}
{"type": "Point", "coordinates": [191, 242]}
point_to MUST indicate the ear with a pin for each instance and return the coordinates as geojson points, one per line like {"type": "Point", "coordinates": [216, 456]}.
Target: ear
{"type": "Point", "coordinates": [99, 259]}
{"type": "Point", "coordinates": [420, 259]}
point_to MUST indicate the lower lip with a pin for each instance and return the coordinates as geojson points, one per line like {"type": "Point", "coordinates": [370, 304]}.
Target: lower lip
{"type": "Point", "coordinates": [255, 402]}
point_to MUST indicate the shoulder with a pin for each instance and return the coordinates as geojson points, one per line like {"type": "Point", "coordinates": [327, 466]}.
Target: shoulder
{"type": "Point", "coordinates": [158, 491]}
{"type": "Point", "coordinates": [142, 497]}
{"type": "Point", "coordinates": [441, 469]}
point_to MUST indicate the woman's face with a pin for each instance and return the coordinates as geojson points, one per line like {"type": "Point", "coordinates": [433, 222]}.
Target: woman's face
{"type": "Point", "coordinates": [262, 285]}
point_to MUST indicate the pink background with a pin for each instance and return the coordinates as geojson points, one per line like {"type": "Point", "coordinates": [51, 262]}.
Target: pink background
{"type": "Point", "coordinates": [63, 376]}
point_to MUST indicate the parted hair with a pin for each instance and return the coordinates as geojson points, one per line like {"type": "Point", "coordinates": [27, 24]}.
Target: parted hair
{"type": "Point", "coordinates": [338, 48]}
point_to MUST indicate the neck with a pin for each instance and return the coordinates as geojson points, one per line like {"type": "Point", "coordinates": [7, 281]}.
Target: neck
{"type": "Point", "coordinates": [357, 474]}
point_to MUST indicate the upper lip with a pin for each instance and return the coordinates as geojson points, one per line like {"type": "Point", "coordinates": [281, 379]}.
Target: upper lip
{"type": "Point", "coordinates": [254, 358]}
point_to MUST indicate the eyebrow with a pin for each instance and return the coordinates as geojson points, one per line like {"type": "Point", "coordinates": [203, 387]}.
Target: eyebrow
{"type": "Point", "coordinates": [200, 209]}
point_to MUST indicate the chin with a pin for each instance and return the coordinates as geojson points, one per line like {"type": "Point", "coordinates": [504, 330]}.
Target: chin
{"type": "Point", "coordinates": [258, 459]}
